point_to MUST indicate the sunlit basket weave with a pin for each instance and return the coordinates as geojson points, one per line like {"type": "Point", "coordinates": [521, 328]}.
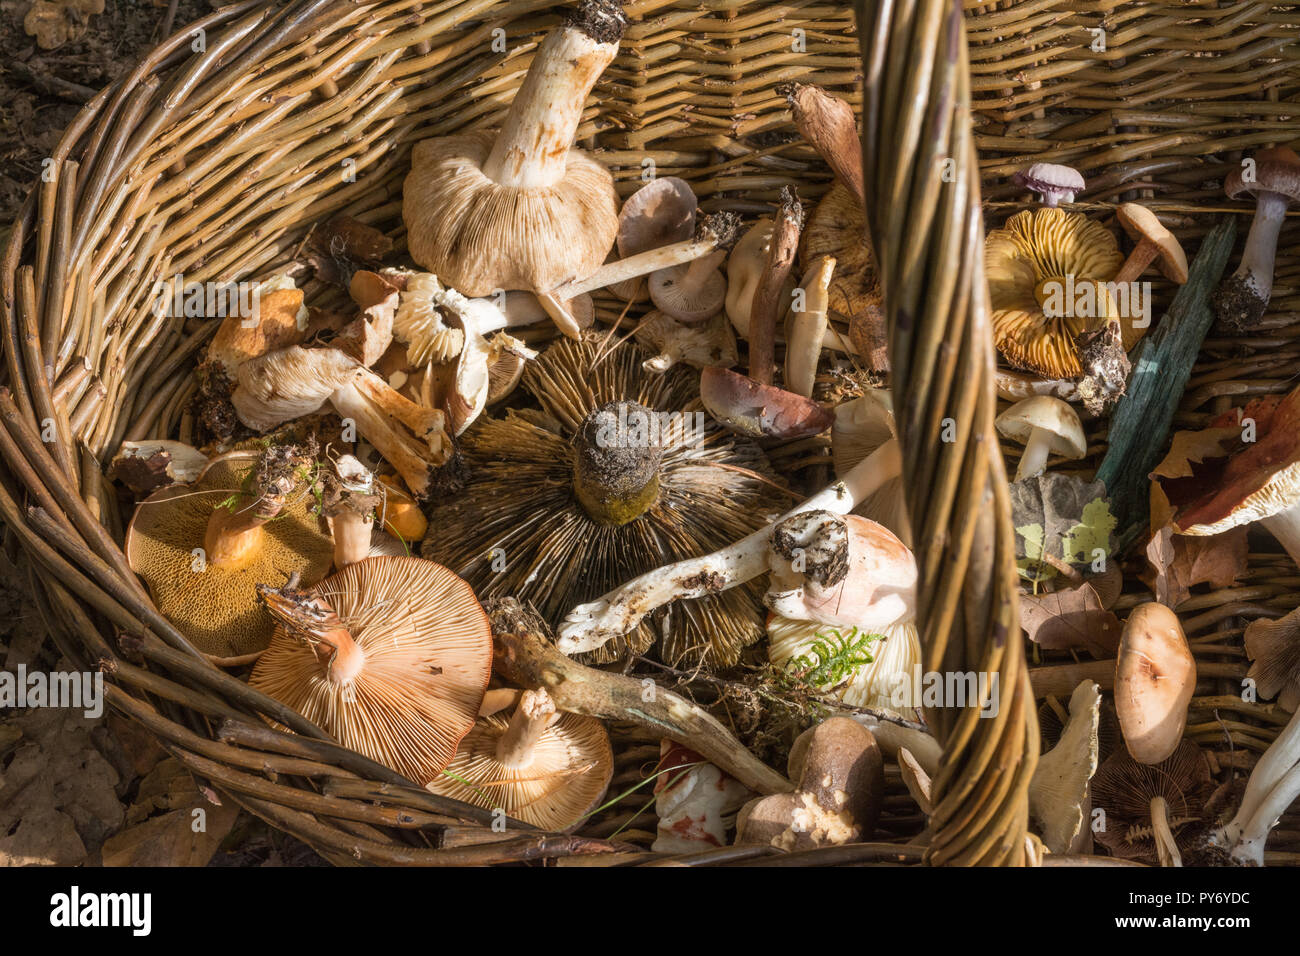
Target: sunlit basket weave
{"type": "Point", "coordinates": [215, 164]}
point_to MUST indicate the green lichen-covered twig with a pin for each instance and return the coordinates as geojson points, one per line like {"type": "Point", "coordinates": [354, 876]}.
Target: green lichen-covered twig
{"type": "Point", "coordinates": [1163, 363]}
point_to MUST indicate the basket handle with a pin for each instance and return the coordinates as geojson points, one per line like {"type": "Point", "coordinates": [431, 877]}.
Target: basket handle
{"type": "Point", "coordinates": [923, 212]}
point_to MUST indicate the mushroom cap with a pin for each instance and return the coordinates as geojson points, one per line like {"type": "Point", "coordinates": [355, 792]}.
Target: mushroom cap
{"type": "Point", "coordinates": [400, 513]}
{"type": "Point", "coordinates": [1058, 793]}
{"type": "Point", "coordinates": [1051, 178]}
{"type": "Point", "coordinates": [217, 608]}
{"type": "Point", "coordinates": [427, 649]}
{"type": "Point", "coordinates": [838, 228]}
{"type": "Point", "coordinates": [861, 426]}
{"type": "Point", "coordinates": [1274, 649]}
{"type": "Point", "coordinates": [144, 466]}
{"type": "Point", "coordinates": [1033, 248]}
{"type": "Point", "coordinates": [760, 411]}
{"type": "Point", "coordinates": [478, 236]}
{"type": "Point", "coordinates": [691, 306]}
{"type": "Point", "coordinates": [1277, 171]}
{"type": "Point", "coordinates": [658, 214]}
{"type": "Point", "coordinates": [1258, 479]}
{"type": "Point", "coordinates": [570, 770]}
{"type": "Point", "coordinates": [873, 684]}
{"type": "Point", "coordinates": [711, 342]}
{"type": "Point", "coordinates": [1141, 223]}
{"type": "Point", "coordinates": [1043, 411]}
{"type": "Point", "coordinates": [280, 321]}
{"type": "Point", "coordinates": [1155, 677]}
{"type": "Point", "coordinates": [1123, 789]}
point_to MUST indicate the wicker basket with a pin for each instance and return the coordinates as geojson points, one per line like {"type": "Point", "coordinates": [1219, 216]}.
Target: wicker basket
{"type": "Point", "coordinates": [217, 154]}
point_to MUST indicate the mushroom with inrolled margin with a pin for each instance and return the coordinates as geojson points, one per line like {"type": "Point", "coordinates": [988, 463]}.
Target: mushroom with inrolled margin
{"type": "Point", "coordinates": [520, 208]}
{"type": "Point", "coordinates": [539, 765]}
{"type": "Point", "coordinates": [202, 548]}
{"type": "Point", "coordinates": [1241, 299]}
{"type": "Point", "coordinates": [1155, 678]}
{"type": "Point", "coordinates": [389, 656]}
{"type": "Point", "coordinates": [1053, 183]}
{"type": "Point", "coordinates": [753, 406]}
{"type": "Point", "coordinates": [1045, 426]}
{"type": "Point", "coordinates": [840, 786]}
{"type": "Point", "coordinates": [608, 480]}
{"type": "Point", "coordinates": [589, 626]}
{"type": "Point", "coordinates": [669, 342]}
{"type": "Point", "coordinates": [1058, 792]}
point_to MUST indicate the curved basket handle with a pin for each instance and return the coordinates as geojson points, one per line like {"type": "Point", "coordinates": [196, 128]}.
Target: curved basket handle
{"type": "Point", "coordinates": [923, 211]}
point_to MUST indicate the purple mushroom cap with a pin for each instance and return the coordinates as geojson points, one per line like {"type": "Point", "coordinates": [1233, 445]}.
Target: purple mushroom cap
{"type": "Point", "coordinates": [1054, 184]}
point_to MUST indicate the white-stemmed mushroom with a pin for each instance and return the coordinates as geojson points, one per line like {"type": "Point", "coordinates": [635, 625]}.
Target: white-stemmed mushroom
{"type": "Point", "coordinates": [1045, 426]}
{"type": "Point", "coordinates": [349, 508]}
{"type": "Point", "coordinates": [1053, 183]}
{"type": "Point", "coordinates": [709, 343]}
{"type": "Point", "coordinates": [590, 625]}
{"type": "Point", "coordinates": [807, 327]}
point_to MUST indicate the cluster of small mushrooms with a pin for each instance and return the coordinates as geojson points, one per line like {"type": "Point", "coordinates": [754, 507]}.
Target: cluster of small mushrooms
{"type": "Point", "coordinates": [373, 475]}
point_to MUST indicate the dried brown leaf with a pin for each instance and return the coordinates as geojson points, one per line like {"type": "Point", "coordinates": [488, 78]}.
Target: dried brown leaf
{"type": "Point", "coordinates": [1071, 617]}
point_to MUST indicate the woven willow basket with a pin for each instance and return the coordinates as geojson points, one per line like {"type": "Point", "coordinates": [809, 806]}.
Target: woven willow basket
{"type": "Point", "coordinates": [226, 144]}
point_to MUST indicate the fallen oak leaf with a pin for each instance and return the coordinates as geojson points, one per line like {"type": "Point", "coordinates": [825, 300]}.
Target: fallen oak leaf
{"type": "Point", "coordinates": [1071, 618]}
{"type": "Point", "coordinates": [1060, 520]}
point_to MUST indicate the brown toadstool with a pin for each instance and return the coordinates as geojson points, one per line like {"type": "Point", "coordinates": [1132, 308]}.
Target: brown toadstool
{"type": "Point", "coordinates": [1155, 677]}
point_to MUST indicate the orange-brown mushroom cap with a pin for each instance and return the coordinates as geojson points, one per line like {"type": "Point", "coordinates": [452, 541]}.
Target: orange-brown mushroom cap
{"type": "Point", "coordinates": [567, 771]}
{"type": "Point", "coordinates": [427, 657]}
{"type": "Point", "coordinates": [214, 606]}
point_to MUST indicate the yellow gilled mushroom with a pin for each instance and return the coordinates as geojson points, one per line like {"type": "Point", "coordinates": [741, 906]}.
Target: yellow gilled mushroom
{"type": "Point", "coordinates": [1047, 271]}
{"type": "Point", "coordinates": [519, 208]}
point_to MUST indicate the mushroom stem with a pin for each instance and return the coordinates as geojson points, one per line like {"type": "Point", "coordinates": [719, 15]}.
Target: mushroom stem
{"type": "Point", "coordinates": [1143, 254]}
{"type": "Point", "coordinates": [1166, 847]}
{"type": "Point", "coordinates": [1276, 766]}
{"type": "Point", "coordinates": [1250, 845]}
{"type": "Point", "coordinates": [828, 123]}
{"type": "Point", "coordinates": [310, 618]}
{"type": "Point", "coordinates": [1241, 300]}
{"type": "Point", "coordinates": [698, 272]}
{"type": "Point", "coordinates": [536, 712]}
{"type": "Point", "coordinates": [232, 535]}
{"type": "Point", "coordinates": [1285, 526]}
{"type": "Point", "coordinates": [766, 309]}
{"type": "Point", "coordinates": [808, 328]}
{"type": "Point", "coordinates": [532, 149]}
{"type": "Point", "coordinates": [589, 626]}
{"type": "Point", "coordinates": [715, 232]}
{"type": "Point", "coordinates": [1034, 460]}
{"type": "Point", "coordinates": [351, 531]}
{"type": "Point", "coordinates": [616, 465]}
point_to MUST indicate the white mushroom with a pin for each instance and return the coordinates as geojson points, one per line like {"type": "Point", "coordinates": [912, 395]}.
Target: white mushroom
{"type": "Point", "coordinates": [696, 804]}
{"type": "Point", "coordinates": [807, 327]}
{"type": "Point", "coordinates": [1045, 426]}
{"type": "Point", "coordinates": [1274, 785]}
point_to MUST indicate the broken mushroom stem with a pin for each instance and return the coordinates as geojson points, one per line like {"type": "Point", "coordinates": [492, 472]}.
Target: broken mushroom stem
{"type": "Point", "coordinates": [535, 712]}
{"type": "Point", "coordinates": [1166, 845]}
{"type": "Point", "coordinates": [350, 506]}
{"type": "Point", "coordinates": [310, 618]}
{"type": "Point", "coordinates": [532, 149]}
{"type": "Point", "coordinates": [717, 232]}
{"type": "Point", "coordinates": [232, 533]}
{"type": "Point", "coordinates": [616, 462]}
{"type": "Point", "coordinates": [781, 253]}
{"type": "Point", "coordinates": [589, 626]}
{"type": "Point", "coordinates": [828, 123]}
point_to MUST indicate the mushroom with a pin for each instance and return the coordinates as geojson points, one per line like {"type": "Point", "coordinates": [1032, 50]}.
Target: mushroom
{"type": "Point", "coordinates": [1155, 244]}
{"type": "Point", "coordinates": [1145, 805]}
{"type": "Point", "coordinates": [841, 782]}
{"type": "Point", "coordinates": [1045, 426]}
{"type": "Point", "coordinates": [295, 381]}
{"type": "Point", "coordinates": [1155, 677]}
{"type": "Point", "coordinates": [539, 766]}
{"type": "Point", "coordinates": [202, 548]}
{"type": "Point", "coordinates": [1054, 184]}
{"type": "Point", "coordinates": [589, 626]}
{"type": "Point", "coordinates": [691, 292]}
{"type": "Point", "coordinates": [1058, 792]}
{"type": "Point", "coordinates": [660, 213]}
{"type": "Point", "coordinates": [349, 508]}
{"type": "Point", "coordinates": [840, 570]}
{"type": "Point", "coordinates": [145, 466]}
{"type": "Point", "coordinates": [807, 327]}
{"type": "Point", "coordinates": [389, 656]}
{"type": "Point", "coordinates": [608, 481]}
{"type": "Point", "coordinates": [1274, 785]}
{"type": "Point", "coordinates": [1046, 272]}
{"type": "Point", "coordinates": [838, 226]}
{"type": "Point", "coordinates": [918, 782]}
{"type": "Point", "coordinates": [398, 513]}
{"type": "Point", "coordinates": [695, 801]}
{"type": "Point", "coordinates": [1247, 482]}
{"type": "Point", "coordinates": [859, 666]}
{"type": "Point", "coordinates": [520, 208]}
{"type": "Point", "coordinates": [861, 426]}
{"type": "Point", "coordinates": [1241, 299]}
{"type": "Point", "coordinates": [669, 342]}
{"type": "Point", "coordinates": [1274, 650]}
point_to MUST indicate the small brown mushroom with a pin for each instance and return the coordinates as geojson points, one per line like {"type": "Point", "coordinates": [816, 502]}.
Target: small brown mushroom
{"type": "Point", "coordinates": [1155, 244]}
{"type": "Point", "coordinates": [660, 213]}
{"type": "Point", "coordinates": [841, 781]}
{"type": "Point", "coordinates": [1274, 650]}
{"type": "Point", "coordinates": [1155, 677]}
